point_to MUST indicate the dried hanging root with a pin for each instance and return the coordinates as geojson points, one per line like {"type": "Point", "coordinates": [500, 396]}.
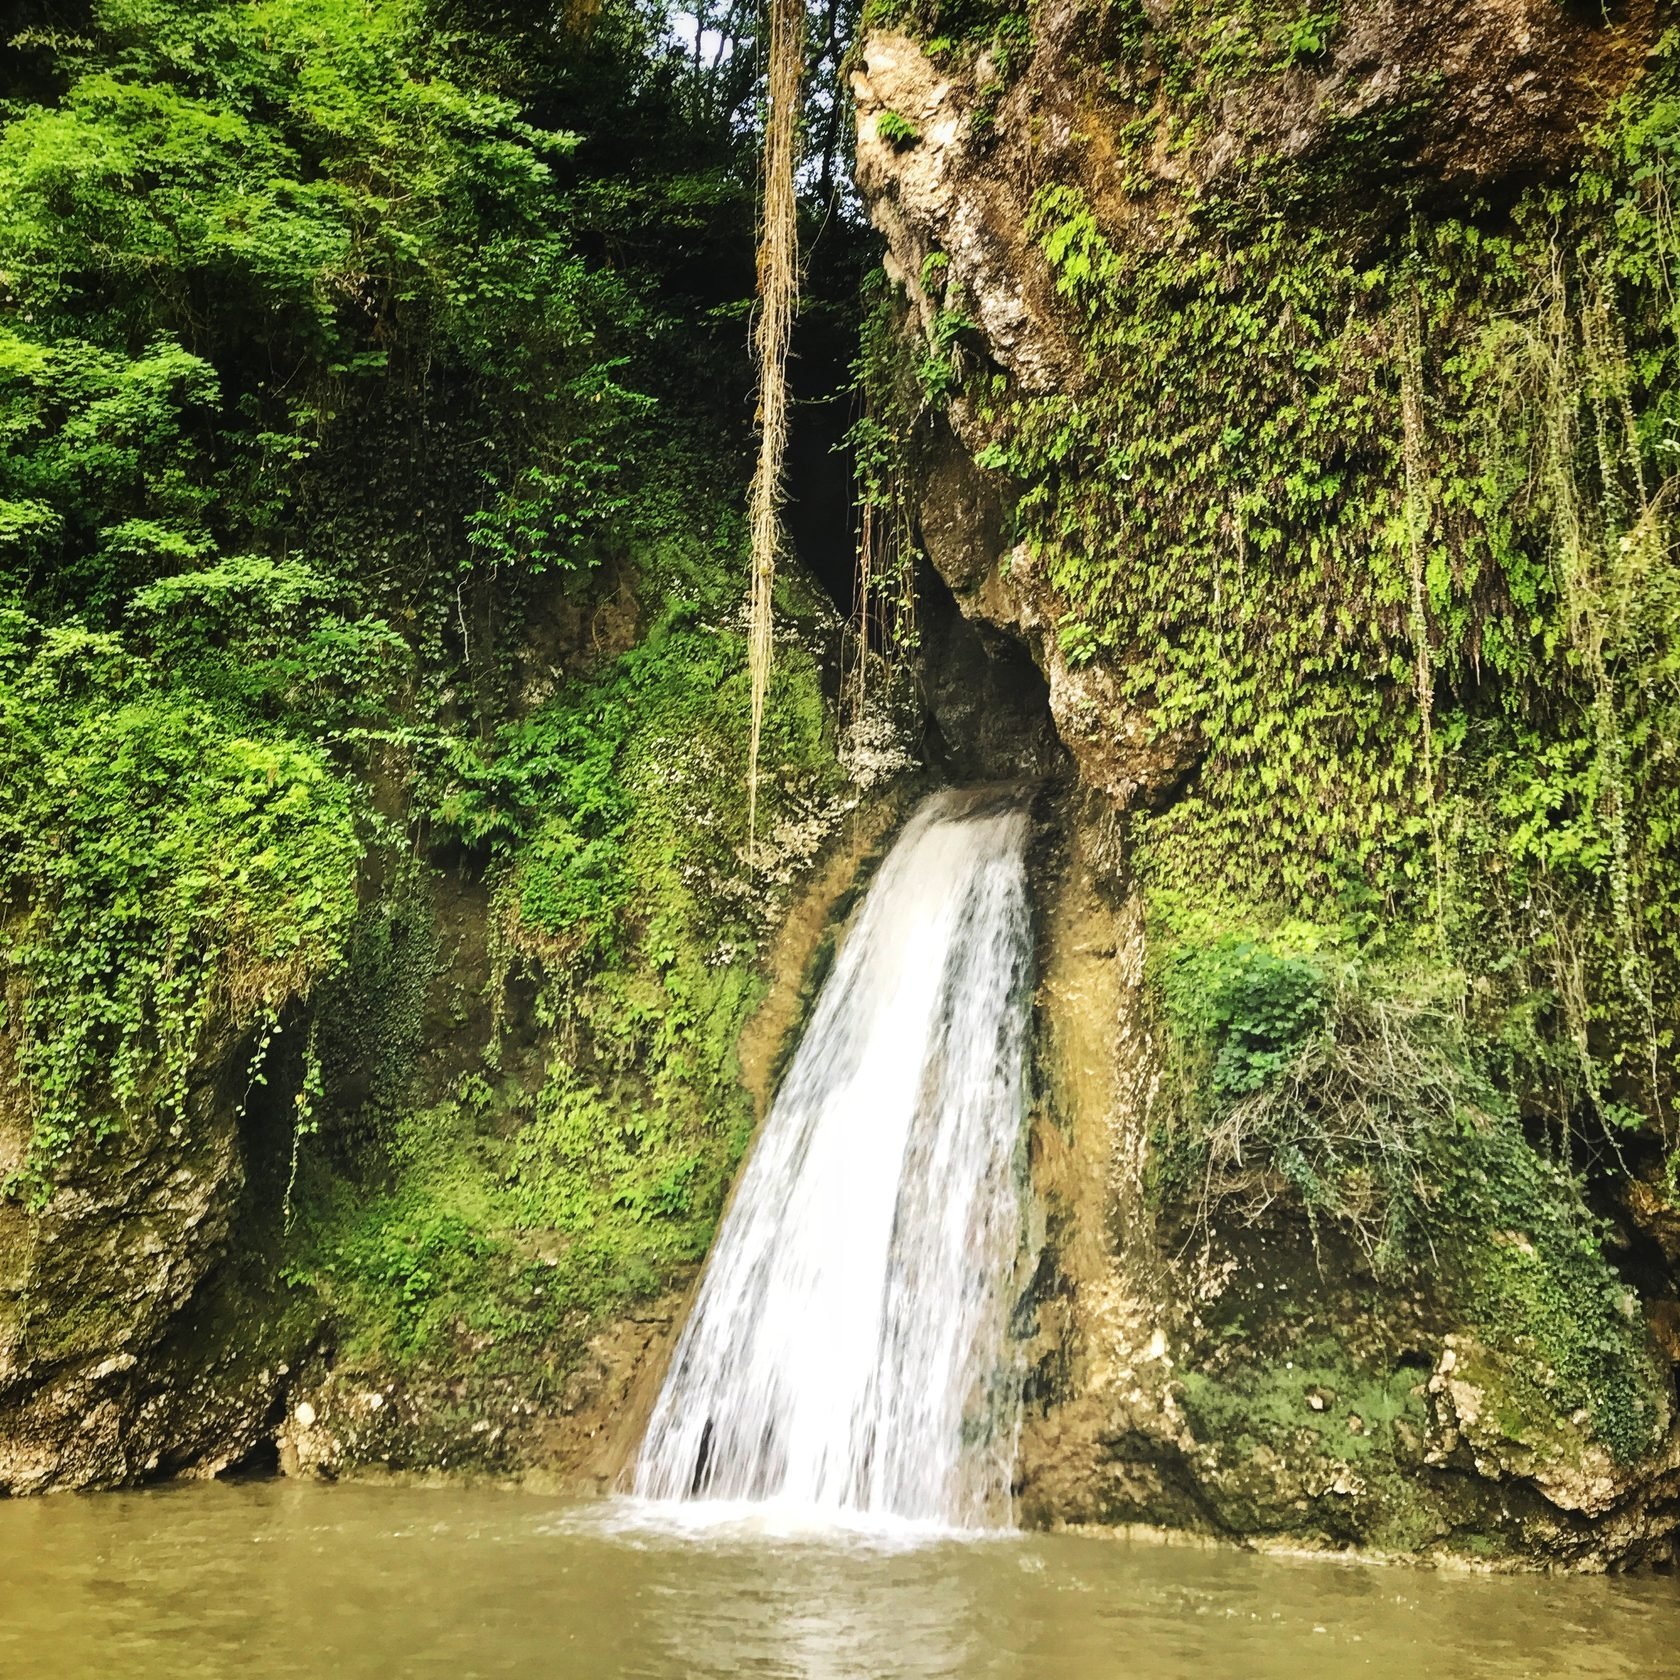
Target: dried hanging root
{"type": "Point", "coordinates": [778, 289]}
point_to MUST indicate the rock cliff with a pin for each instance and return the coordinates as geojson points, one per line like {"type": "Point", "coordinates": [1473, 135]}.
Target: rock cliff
{"type": "Point", "coordinates": [1197, 299]}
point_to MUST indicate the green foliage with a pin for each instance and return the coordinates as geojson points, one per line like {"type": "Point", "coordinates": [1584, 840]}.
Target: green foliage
{"type": "Point", "coordinates": [944, 23]}
{"type": "Point", "coordinates": [899, 132]}
{"type": "Point", "coordinates": [103, 470]}
{"type": "Point", "coordinates": [372, 1011]}
{"type": "Point", "coordinates": [276, 267]}
{"type": "Point", "coordinates": [1374, 513]}
{"type": "Point", "coordinates": [939, 370]}
{"type": "Point", "coordinates": [264, 639]}
{"type": "Point", "coordinates": [552, 516]}
{"type": "Point", "coordinates": [616, 763]}
{"type": "Point", "coordinates": [169, 883]}
{"type": "Point", "coordinates": [506, 1217]}
{"type": "Point", "coordinates": [1206, 48]}
{"type": "Point", "coordinates": [1377, 519]}
{"type": "Point", "coordinates": [1253, 1006]}
{"type": "Point", "coordinates": [371, 377]}
{"type": "Point", "coordinates": [1309, 35]}
{"type": "Point", "coordinates": [1303, 1063]}
{"type": "Point", "coordinates": [399, 1268]}
{"type": "Point", "coordinates": [891, 398]}
{"type": "Point", "coordinates": [286, 150]}
{"type": "Point", "coordinates": [307, 386]}
{"type": "Point", "coordinates": [460, 1266]}
{"type": "Point", "coordinates": [1349, 1082]}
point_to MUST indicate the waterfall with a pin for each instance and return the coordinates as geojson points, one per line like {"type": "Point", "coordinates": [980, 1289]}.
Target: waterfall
{"type": "Point", "coordinates": [849, 1349]}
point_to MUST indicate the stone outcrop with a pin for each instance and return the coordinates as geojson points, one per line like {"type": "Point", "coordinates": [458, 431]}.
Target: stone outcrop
{"type": "Point", "coordinates": [128, 1347]}
{"type": "Point", "coordinates": [1251, 1378]}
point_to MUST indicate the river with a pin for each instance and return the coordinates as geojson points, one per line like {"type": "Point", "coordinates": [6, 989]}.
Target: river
{"type": "Point", "coordinates": [259, 1581]}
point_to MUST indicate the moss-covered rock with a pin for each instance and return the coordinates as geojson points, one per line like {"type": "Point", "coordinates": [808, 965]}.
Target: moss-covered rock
{"type": "Point", "coordinates": [170, 888]}
{"type": "Point", "coordinates": [1311, 368]}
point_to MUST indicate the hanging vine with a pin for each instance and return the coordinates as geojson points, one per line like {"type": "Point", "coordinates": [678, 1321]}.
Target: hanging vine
{"type": "Point", "coordinates": [1608, 536]}
{"type": "Point", "coordinates": [778, 290]}
{"type": "Point", "coordinates": [890, 403]}
{"type": "Point", "coordinates": [1417, 517]}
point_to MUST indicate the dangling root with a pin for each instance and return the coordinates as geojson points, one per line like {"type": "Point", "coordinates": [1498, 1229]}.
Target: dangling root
{"type": "Point", "coordinates": [778, 289]}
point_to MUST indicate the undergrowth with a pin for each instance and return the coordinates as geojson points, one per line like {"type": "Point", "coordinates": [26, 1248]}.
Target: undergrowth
{"type": "Point", "coordinates": [582, 1163]}
{"type": "Point", "coordinates": [1329, 1074]}
{"type": "Point", "coordinates": [169, 883]}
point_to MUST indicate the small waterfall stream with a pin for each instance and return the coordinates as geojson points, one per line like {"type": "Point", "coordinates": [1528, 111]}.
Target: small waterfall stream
{"type": "Point", "coordinates": [848, 1351]}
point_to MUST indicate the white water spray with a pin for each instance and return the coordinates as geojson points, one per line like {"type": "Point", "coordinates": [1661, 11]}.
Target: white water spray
{"type": "Point", "coordinates": [849, 1349]}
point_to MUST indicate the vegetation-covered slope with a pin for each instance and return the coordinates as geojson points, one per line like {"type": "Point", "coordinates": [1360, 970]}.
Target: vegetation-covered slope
{"type": "Point", "coordinates": [373, 393]}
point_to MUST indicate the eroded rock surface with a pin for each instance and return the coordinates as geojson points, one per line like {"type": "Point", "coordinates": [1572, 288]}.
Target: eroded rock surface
{"type": "Point", "coordinates": [127, 1347]}
{"type": "Point", "coordinates": [1251, 1377]}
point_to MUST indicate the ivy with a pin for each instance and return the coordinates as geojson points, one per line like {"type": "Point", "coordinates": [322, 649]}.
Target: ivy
{"type": "Point", "coordinates": [169, 883]}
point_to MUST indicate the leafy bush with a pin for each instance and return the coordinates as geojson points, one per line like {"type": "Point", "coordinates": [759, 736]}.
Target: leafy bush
{"type": "Point", "coordinates": [341, 342]}
{"type": "Point", "coordinates": [585, 800]}
{"type": "Point", "coordinates": [1253, 1006]}
{"type": "Point", "coordinates": [272, 639]}
{"type": "Point", "coordinates": [164, 877]}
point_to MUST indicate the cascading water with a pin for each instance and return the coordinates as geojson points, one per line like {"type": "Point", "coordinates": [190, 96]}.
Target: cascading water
{"type": "Point", "coordinates": [849, 1347]}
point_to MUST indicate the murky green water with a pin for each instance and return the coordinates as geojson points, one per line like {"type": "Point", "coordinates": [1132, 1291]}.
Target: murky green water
{"type": "Point", "coordinates": [261, 1581]}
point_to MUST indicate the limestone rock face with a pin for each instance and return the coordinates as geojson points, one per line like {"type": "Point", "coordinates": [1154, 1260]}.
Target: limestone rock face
{"type": "Point", "coordinates": [1487, 94]}
{"type": "Point", "coordinates": [937, 195]}
{"type": "Point", "coordinates": [125, 1349]}
{"type": "Point", "coordinates": [1253, 1378]}
{"type": "Point", "coordinates": [1487, 98]}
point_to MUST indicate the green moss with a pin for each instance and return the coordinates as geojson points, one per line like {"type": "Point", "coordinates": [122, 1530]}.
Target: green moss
{"type": "Point", "coordinates": [1256, 1404]}
{"type": "Point", "coordinates": [1294, 509]}
{"type": "Point", "coordinates": [428, 1273]}
{"type": "Point", "coordinates": [1347, 1434]}
{"type": "Point", "coordinates": [1530, 1268]}
{"type": "Point", "coordinates": [1344, 1075]}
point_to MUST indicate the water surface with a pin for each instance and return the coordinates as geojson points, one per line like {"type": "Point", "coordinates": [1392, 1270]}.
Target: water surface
{"type": "Point", "coordinates": [269, 1580]}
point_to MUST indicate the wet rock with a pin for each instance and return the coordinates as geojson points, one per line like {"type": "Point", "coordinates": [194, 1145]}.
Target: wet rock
{"type": "Point", "coordinates": [1256, 1379]}
{"type": "Point", "coordinates": [129, 1345]}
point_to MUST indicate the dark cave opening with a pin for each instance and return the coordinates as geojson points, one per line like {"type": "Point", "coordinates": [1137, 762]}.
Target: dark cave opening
{"type": "Point", "coordinates": [986, 703]}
